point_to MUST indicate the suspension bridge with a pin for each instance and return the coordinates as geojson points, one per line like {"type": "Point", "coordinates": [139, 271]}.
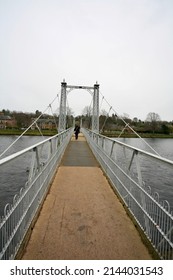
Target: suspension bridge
{"type": "Point", "coordinates": [85, 198]}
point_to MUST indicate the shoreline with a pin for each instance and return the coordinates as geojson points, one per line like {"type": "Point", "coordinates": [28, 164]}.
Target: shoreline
{"type": "Point", "coordinates": [142, 135]}
{"type": "Point", "coordinates": [17, 132]}
{"type": "Point", "coordinates": [110, 134]}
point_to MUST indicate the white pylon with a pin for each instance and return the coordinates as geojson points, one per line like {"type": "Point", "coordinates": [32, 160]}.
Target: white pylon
{"type": "Point", "coordinates": [62, 110]}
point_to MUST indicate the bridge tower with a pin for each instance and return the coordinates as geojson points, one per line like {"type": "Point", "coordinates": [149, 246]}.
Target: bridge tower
{"type": "Point", "coordinates": [95, 112]}
{"type": "Point", "coordinates": [62, 109]}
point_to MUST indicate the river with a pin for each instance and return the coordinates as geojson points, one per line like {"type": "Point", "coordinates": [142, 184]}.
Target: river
{"type": "Point", "coordinates": [13, 176]}
{"type": "Point", "coordinates": [11, 181]}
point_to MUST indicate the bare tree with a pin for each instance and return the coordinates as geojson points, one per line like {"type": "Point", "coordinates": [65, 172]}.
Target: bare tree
{"type": "Point", "coordinates": [87, 111]}
{"type": "Point", "coordinates": [103, 113]}
{"type": "Point", "coordinates": [70, 117]}
{"type": "Point", "coordinates": [153, 119]}
{"type": "Point", "coordinates": [69, 111]}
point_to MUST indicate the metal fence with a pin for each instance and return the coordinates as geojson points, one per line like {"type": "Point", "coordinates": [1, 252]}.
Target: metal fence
{"type": "Point", "coordinates": [18, 216]}
{"type": "Point", "coordinates": [123, 165]}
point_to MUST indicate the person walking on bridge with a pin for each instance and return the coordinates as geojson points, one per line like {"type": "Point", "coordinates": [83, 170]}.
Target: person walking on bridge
{"type": "Point", "coordinates": [77, 131]}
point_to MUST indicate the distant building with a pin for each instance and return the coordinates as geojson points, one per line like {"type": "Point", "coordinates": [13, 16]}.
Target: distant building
{"type": "Point", "coordinates": [45, 124]}
{"type": "Point", "coordinates": [7, 121]}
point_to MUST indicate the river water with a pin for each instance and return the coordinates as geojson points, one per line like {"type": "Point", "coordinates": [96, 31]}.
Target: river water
{"type": "Point", "coordinates": [157, 175]}
{"type": "Point", "coordinates": [162, 146]}
{"type": "Point", "coordinates": [11, 180]}
{"type": "Point", "coordinates": [14, 175]}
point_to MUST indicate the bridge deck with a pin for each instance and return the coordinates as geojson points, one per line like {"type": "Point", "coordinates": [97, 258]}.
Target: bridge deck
{"type": "Point", "coordinates": [81, 217]}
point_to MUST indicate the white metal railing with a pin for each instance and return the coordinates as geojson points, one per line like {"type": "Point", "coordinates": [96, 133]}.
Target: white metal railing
{"type": "Point", "coordinates": [44, 158]}
{"type": "Point", "coordinates": [123, 164]}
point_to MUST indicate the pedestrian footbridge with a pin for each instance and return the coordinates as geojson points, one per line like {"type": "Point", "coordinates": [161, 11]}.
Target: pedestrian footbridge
{"type": "Point", "coordinates": [85, 199]}
{"type": "Point", "coordinates": [81, 217]}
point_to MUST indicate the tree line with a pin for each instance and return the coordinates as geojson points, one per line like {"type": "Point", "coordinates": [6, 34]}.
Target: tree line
{"type": "Point", "coordinates": [110, 123]}
{"type": "Point", "coordinates": [24, 119]}
{"type": "Point", "coordinates": [107, 123]}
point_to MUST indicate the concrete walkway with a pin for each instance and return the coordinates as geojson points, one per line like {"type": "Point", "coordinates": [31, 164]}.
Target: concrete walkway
{"type": "Point", "coordinates": [81, 217]}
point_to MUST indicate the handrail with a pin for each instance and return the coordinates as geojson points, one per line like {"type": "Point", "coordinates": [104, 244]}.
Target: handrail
{"type": "Point", "coordinates": [18, 216]}
{"type": "Point", "coordinates": [123, 166]}
{"type": "Point", "coordinates": [17, 154]}
{"type": "Point", "coordinates": [160, 158]}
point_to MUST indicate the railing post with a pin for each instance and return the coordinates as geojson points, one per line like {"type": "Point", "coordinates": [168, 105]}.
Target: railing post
{"type": "Point", "coordinates": [138, 169]}
{"type": "Point", "coordinates": [34, 163]}
{"type": "Point", "coordinates": [112, 148]}
{"type": "Point", "coordinates": [147, 226]}
{"type": "Point", "coordinates": [51, 148]}
{"type": "Point", "coordinates": [103, 143]}
{"type": "Point", "coordinates": [131, 161]}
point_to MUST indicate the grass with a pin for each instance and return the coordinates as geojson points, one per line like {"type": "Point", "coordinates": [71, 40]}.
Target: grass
{"type": "Point", "coordinates": [45, 132]}
{"type": "Point", "coordinates": [114, 134]}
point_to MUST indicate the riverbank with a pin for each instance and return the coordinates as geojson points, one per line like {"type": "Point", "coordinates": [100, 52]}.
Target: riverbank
{"type": "Point", "coordinates": [45, 132]}
{"type": "Point", "coordinates": [112, 134]}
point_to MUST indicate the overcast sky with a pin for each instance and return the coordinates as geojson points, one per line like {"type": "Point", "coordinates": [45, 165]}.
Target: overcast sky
{"type": "Point", "coordinates": [125, 45]}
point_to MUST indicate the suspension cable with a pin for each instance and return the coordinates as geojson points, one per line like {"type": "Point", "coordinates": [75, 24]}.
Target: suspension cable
{"type": "Point", "coordinates": [90, 106]}
{"type": "Point", "coordinates": [53, 117]}
{"type": "Point", "coordinates": [127, 125]}
{"type": "Point", "coordinates": [39, 129]}
{"type": "Point", "coordinates": [106, 119]}
{"type": "Point", "coordinates": [34, 122]}
{"type": "Point", "coordinates": [122, 131]}
{"type": "Point", "coordinates": [101, 102]}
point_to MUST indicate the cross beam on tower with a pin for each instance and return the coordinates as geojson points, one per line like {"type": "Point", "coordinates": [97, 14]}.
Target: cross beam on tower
{"type": "Point", "coordinates": [63, 100]}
